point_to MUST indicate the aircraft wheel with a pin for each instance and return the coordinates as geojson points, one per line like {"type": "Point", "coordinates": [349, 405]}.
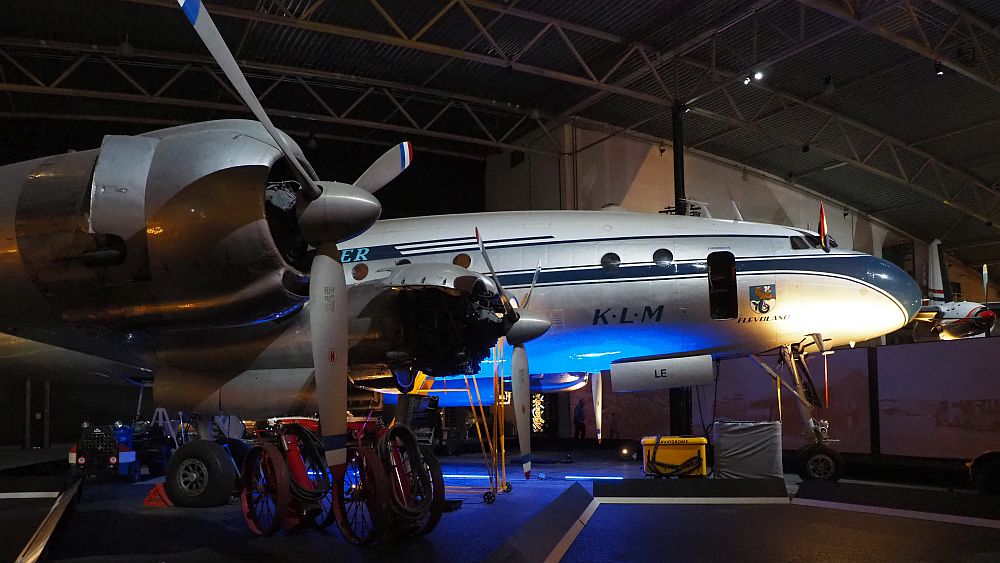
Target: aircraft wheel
{"type": "Point", "coordinates": [489, 497]}
{"type": "Point", "coordinates": [200, 474]}
{"type": "Point", "coordinates": [820, 463]}
{"type": "Point", "coordinates": [988, 478]}
{"type": "Point", "coordinates": [508, 487]}
{"type": "Point", "coordinates": [429, 520]}
{"type": "Point", "coordinates": [360, 497]}
{"type": "Point", "coordinates": [264, 492]}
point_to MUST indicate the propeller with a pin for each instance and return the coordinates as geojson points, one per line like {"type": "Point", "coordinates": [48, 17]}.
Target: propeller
{"type": "Point", "coordinates": [330, 212]}
{"type": "Point", "coordinates": [986, 285]}
{"type": "Point", "coordinates": [526, 327]}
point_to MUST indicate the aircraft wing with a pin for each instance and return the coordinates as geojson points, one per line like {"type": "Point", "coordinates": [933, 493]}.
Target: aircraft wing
{"type": "Point", "coordinates": [22, 358]}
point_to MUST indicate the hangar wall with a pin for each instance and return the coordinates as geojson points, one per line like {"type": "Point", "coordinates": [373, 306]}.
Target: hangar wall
{"type": "Point", "coordinates": [931, 402]}
{"type": "Point", "coordinates": [635, 175]}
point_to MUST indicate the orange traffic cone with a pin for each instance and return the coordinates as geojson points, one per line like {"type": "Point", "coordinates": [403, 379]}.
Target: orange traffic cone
{"type": "Point", "coordinates": [157, 497]}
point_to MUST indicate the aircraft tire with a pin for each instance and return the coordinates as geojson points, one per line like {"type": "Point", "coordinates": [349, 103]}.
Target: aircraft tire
{"type": "Point", "coordinates": [200, 474]}
{"type": "Point", "coordinates": [817, 462]}
{"type": "Point", "coordinates": [988, 478]}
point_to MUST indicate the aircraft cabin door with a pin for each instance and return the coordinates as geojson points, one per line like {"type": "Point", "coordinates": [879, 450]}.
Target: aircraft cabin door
{"type": "Point", "coordinates": [723, 302]}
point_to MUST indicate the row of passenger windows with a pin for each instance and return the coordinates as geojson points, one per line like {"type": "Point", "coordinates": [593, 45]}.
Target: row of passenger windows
{"type": "Point", "coordinates": [611, 261]}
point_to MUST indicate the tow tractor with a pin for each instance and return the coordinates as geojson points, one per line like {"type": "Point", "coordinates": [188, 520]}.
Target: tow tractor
{"type": "Point", "coordinates": [118, 450]}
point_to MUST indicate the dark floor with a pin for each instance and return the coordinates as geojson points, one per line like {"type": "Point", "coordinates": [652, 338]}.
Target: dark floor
{"type": "Point", "coordinates": [770, 533]}
{"type": "Point", "coordinates": [110, 524]}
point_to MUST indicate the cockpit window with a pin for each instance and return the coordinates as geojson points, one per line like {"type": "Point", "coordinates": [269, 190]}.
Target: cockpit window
{"type": "Point", "coordinates": [809, 241]}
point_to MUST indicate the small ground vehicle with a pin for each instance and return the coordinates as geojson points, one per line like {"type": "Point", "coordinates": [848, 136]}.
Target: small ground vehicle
{"type": "Point", "coordinates": [118, 450]}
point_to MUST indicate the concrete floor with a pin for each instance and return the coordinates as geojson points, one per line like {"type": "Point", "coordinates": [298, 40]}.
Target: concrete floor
{"type": "Point", "coordinates": [110, 524]}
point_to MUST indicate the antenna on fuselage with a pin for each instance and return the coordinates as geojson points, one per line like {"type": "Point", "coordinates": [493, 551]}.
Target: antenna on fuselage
{"type": "Point", "coordinates": [736, 211]}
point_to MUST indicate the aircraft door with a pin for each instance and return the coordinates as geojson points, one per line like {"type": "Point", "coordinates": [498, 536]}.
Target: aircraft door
{"type": "Point", "coordinates": [723, 302]}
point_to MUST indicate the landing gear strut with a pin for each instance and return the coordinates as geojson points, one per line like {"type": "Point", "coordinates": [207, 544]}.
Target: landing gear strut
{"type": "Point", "coordinates": [817, 460]}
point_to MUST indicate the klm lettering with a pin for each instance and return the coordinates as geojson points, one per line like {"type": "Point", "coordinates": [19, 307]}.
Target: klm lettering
{"type": "Point", "coordinates": [624, 316]}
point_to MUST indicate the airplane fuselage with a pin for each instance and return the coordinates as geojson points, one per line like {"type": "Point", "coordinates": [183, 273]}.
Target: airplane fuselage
{"type": "Point", "coordinates": [624, 286]}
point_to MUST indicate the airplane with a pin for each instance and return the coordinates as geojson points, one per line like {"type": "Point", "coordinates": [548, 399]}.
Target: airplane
{"type": "Point", "coordinates": [949, 320]}
{"type": "Point", "coordinates": [207, 256]}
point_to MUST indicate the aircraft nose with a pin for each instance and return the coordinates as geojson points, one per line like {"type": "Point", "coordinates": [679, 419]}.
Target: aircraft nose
{"type": "Point", "coordinates": [896, 282]}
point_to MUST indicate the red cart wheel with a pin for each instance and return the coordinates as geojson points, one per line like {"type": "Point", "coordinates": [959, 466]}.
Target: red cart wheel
{"type": "Point", "coordinates": [429, 520]}
{"type": "Point", "coordinates": [264, 493]}
{"type": "Point", "coordinates": [359, 501]}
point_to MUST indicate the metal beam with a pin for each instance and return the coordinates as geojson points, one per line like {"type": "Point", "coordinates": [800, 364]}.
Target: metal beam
{"type": "Point", "coordinates": [236, 108]}
{"type": "Point", "coordinates": [939, 53]}
{"type": "Point", "coordinates": [423, 46]}
{"type": "Point", "coordinates": [165, 122]}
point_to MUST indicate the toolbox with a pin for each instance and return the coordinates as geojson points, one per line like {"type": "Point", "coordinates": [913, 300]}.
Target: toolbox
{"type": "Point", "coordinates": [670, 456]}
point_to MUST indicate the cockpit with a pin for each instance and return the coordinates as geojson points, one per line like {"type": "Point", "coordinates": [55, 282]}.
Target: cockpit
{"type": "Point", "coordinates": [806, 242]}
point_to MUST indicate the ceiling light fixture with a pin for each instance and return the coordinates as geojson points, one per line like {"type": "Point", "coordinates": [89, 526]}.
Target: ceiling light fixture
{"type": "Point", "coordinates": [758, 75]}
{"type": "Point", "coordinates": [938, 69]}
{"type": "Point", "coordinates": [746, 80]}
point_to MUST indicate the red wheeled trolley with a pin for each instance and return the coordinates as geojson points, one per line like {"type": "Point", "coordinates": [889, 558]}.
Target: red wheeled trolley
{"type": "Point", "coordinates": [391, 487]}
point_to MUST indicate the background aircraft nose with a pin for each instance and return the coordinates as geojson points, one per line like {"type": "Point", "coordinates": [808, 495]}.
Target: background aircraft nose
{"type": "Point", "coordinates": [897, 283]}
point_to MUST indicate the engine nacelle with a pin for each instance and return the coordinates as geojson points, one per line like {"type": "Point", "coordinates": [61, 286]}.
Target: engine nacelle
{"type": "Point", "coordinates": [176, 227]}
{"type": "Point", "coordinates": [651, 375]}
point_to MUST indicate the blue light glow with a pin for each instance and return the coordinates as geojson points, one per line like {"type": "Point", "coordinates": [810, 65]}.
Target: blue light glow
{"type": "Point", "coordinates": [593, 478]}
{"type": "Point", "coordinates": [461, 476]}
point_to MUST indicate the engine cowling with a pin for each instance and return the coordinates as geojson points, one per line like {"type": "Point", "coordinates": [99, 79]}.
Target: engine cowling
{"type": "Point", "coordinates": [182, 226]}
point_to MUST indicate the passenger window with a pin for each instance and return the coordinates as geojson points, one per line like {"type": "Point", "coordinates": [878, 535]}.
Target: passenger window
{"type": "Point", "coordinates": [610, 261]}
{"type": "Point", "coordinates": [462, 261]}
{"type": "Point", "coordinates": [722, 300]}
{"type": "Point", "coordinates": [663, 257]}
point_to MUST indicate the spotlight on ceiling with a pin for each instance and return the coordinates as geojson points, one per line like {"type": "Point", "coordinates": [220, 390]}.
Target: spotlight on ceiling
{"type": "Point", "coordinates": [758, 75]}
{"type": "Point", "coordinates": [746, 80]}
{"type": "Point", "coordinates": [938, 69]}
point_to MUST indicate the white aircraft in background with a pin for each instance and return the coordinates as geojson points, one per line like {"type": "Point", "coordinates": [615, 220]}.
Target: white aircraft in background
{"type": "Point", "coordinates": [949, 320]}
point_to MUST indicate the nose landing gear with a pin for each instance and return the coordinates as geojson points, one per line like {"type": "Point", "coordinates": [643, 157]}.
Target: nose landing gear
{"type": "Point", "coordinates": [817, 460]}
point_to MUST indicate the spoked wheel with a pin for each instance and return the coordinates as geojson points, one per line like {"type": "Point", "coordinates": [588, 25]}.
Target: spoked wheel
{"type": "Point", "coordinates": [359, 496]}
{"type": "Point", "coordinates": [264, 492]}
{"type": "Point", "coordinates": [409, 478]}
{"type": "Point", "coordinates": [429, 520]}
{"type": "Point", "coordinates": [312, 498]}
{"type": "Point", "coordinates": [327, 514]}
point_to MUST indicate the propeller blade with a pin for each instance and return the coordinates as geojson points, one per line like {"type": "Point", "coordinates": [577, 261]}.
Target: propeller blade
{"type": "Point", "coordinates": [328, 327]}
{"type": "Point", "coordinates": [534, 279]}
{"type": "Point", "coordinates": [520, 388]}
{"type": "Point", "coordinates": [503, 294]}
{"type": "Point", "coordinates": [202, 22]}
{"type": "Point", "coordinates": [986, 284]}
{"type": "Point", "coordinates": [598, 393]}
{"type": "Point", "coordinates": [386, 168]}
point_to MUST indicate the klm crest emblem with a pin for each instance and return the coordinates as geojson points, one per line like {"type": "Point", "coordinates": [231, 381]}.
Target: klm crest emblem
{"type": "Point", "coordinates": [762, 298]}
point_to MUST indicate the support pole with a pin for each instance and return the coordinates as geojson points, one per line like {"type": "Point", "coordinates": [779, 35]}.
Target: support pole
{"type": "Point", "coordinates": [680, 195]}
{"type": "Point", "coordinates": [45, 411]}
{"type": "Point", "coordinates": [680, 398]}
{"type": "Point", "coordinates": [27, 414]}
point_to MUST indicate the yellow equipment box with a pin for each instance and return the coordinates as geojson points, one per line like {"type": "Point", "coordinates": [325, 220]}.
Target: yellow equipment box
{"type": "Point", "coordinates": [669, 456]}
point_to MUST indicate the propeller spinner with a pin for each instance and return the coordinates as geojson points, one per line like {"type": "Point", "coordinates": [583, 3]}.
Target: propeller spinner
{"type": "Point", "coordinates": [330, 212]}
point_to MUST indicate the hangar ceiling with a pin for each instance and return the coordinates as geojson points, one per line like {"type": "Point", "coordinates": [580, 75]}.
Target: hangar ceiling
{"type": "Point", "coordinates": [890, 106]}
